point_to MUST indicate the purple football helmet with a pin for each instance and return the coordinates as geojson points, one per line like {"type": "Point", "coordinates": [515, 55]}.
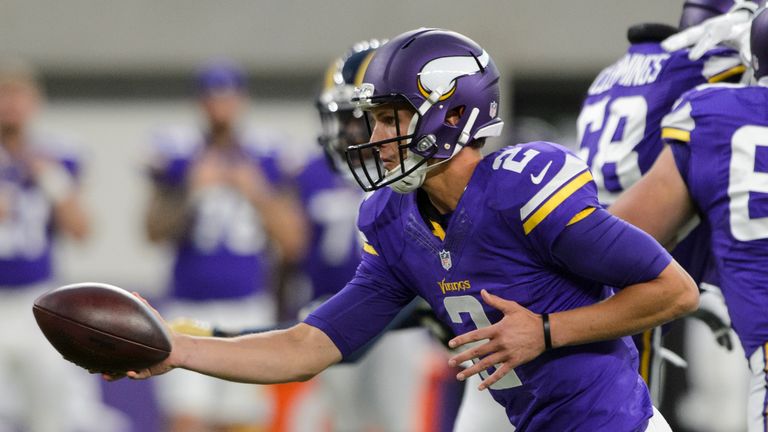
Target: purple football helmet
{"type": "Point", "coordinates": [758, 43]}
{"type": "Point", "coordinates": [342, 120]}
{"type": "Point", "coordinates": [696, 11]}
{"type": "Point", "coordinates": [433, 73]}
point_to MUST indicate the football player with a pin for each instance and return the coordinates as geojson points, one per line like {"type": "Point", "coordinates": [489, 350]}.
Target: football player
{"type": "Point", "coordinates": [715, 166]}
{"type": "Point", "coordinates": [216, 201]}
{"type": "Point", "coordinates": [40, 197]}
{"type": "Point", "coordinates": [512, 251]}
{"type": "Point", "coordinates": [619, 134]}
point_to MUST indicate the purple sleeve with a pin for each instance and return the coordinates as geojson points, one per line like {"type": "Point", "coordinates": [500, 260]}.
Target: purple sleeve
{"type": "Point", "coordinates": [361, 310]}
{"type": "Point", "coordinates": [681, 152]}
{"type": "Point", "coordinates": [604, 248]}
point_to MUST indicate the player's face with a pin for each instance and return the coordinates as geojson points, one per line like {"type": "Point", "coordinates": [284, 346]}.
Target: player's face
{"type": "Point", "coordinates": [18, 103]}
{"type": "Point", "coordinates": [223, 108]}
{"type": "Point", "coordinates": [390, 122]}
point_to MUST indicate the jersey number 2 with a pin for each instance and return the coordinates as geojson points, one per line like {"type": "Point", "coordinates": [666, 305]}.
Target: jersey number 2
{"type": "Point", "coordinates": [470, 305]}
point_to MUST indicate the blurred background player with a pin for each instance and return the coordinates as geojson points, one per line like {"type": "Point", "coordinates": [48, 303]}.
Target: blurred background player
{"type": "Point", "coordinates": [39, 199]}
{"type": "Point", "coordinates": [217, 200]}
{"type": "Point", "coordinates": [619, 130]}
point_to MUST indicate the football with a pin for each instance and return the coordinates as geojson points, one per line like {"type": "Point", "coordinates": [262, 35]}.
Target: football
{"type": "Point", "coordinates": [101, 327]}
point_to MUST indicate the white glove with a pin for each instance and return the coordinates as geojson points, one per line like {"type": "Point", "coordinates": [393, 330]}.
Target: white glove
{"type": "Point", "coordinates": [713, 312]}
{"type": "Point", "coordinates": [730, 28]}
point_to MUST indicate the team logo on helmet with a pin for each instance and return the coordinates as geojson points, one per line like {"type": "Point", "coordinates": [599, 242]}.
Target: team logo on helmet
{"type": "Point", "coordinates": [441, 74]}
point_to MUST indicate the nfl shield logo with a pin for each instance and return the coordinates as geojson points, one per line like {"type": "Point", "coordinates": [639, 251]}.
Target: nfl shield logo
{"type": "Point", "coordinates": [493, 109]}
{"type": "Point", "coordinates": [445, 259]}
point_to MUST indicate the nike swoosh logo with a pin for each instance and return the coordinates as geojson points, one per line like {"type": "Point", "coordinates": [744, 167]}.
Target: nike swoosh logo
{"type": "Point", "coordinates": [538, 178]}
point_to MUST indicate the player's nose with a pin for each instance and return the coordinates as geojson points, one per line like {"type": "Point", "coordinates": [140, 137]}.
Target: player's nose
{"type": "Point", "coordinates": [380, 132]}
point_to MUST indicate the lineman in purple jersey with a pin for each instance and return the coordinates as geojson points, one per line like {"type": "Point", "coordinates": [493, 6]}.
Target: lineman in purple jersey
{"type": "Point", "coordinates": [619, 133]}
{"type": "Point", "coordinates": [619, 123]}
{"type": "Point", "coordinates": [716, 166]}
{"type": "Point", "coordinates": [520, 229]}
{"type": "Point", "coordinates": [216, 200]}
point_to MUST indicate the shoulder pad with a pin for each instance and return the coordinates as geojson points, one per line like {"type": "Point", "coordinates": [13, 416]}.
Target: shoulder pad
{"type": "Point", "coordinates": [379, 207]}
{"type": "Point", "coordinates": [526, 170]}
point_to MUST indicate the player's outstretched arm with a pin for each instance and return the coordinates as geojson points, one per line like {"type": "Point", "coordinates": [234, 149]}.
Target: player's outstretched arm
{"type": "Point", "coordinates": [294, 354]}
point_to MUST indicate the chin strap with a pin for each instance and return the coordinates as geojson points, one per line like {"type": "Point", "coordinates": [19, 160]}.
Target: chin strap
{"type": "Point", "coordinates": [415, 179]}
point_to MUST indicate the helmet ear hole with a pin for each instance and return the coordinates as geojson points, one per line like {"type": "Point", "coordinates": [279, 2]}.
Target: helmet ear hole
{"type": "Point", "coordinates": [453, 116]}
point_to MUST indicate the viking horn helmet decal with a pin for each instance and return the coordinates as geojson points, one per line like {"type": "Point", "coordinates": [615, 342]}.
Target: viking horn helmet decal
{"type": "Point", "coordinates": [442, 73]}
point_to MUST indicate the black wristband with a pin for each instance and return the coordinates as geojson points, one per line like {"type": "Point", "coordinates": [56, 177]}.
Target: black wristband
{"type": "Point", "coordinates": [547, 335]}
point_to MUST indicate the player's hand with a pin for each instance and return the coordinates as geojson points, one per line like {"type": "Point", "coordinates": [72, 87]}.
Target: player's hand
{"type": "Point", "coordinates": [731, 28]}
{"type": "Point", "coordinates": [713, 312]}
{"type": "Point", "coordinates": [514, 340]}
{"type": "Point", "coordinates": [208, 171]}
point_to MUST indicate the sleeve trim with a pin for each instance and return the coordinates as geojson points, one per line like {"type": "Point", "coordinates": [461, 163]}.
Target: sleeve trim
{"type": "Point", "coordinates": [551, 204]}
{"type": "Point", "coordinates": [676, 134]}
{"type": "Point", "coordinates": [581, 215]}
{"type": "Point", "coordinates": [369, 249]}
{"type": "Point", "coordinates": [736, 70]}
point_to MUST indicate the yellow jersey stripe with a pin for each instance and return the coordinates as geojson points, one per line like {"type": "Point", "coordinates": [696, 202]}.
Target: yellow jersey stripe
{"type": "Point", "coordinates": [676, 134]}
{"type": "Point", "coordinates": [645, 356]}
{"type": "Point", "coordinates": [736, 70]}
{"type": "Point", "coordinates": [556, 199]}
{"type": "Point", "coordinates": [581, 215]}
{"type": "Point", "coordinates": [368, 248]}
{"type": "Point", "coordinates": [438, 230]}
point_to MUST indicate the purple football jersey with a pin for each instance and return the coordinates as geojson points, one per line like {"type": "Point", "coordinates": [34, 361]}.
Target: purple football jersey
{"type": "Point", "coordinates": [331, 206]}
{"type": "Point", "coordinates": [500, 238]}
{"type": "Point", "coordinates": [223, 254]}
{"type": "Point", "coordinates": [619, 124]}
{"type": "Point", "coordinates": [719, 137]}
{"type": "Point", "coordinates": [26, 228]}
